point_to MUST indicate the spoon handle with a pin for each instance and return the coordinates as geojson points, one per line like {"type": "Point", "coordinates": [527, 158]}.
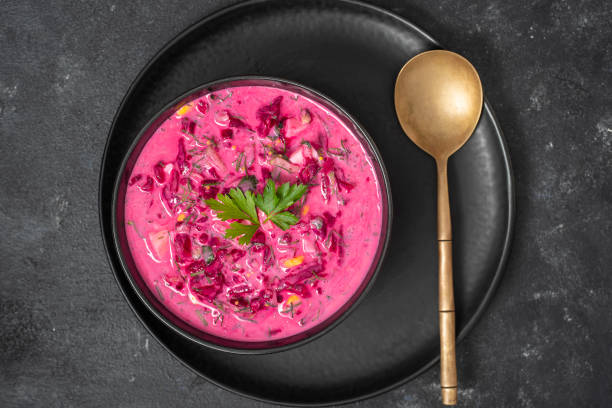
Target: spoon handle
{"type": "Point", "coordinates": [446, 301]}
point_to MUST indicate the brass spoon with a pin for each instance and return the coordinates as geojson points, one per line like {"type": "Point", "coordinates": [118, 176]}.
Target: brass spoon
{"type": "Point", "coordinates": [438, 100]}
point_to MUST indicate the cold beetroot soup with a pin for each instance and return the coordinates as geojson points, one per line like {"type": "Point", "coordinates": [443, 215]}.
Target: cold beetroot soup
{"type": "Point", "coordinates": [254, 213]}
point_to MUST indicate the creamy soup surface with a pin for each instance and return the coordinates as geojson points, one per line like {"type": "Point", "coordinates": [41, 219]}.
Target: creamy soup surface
{"type": "Point", "coordinates": [291, 271]}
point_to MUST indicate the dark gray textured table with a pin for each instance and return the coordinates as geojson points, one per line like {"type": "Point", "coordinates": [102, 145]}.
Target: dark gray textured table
{"type": "Point", "coordinates": [68, 338]}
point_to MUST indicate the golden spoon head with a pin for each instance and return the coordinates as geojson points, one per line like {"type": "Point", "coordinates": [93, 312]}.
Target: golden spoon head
{"type": "Point", "coordinates": [438, 100]}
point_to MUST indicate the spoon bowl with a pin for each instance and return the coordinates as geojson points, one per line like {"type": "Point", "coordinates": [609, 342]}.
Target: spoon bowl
{"type": "Point", "coordinates": [438, 100]}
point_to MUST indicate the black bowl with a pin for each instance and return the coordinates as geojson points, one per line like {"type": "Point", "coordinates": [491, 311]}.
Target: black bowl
{"type": "Point", "coordinates": [148, 298]}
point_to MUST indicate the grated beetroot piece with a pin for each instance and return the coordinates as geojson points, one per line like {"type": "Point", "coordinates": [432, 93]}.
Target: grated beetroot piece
{"type": "Point", "coordinates": [325, 188]}
{"type": "Point", "coordinates": [147, 186]}
{"type": "Point", "coordinates": [344, 185]}
{"type": "Point", "coordinates": [182, 247]}
{"type": "Point", "coordinates": [207, 191]}
{"type": "Point", "coordinates": [237, 123]}
{"type": "Point", "coordinates": [213, 173]}
{"type": "Point", "coordinates": [300, 289]}
{"type": "Point", "coordinates": [174, 282]}
{"type": "Point", "coordinates": [256, 304]}
{"type": "Point", "coordinates": [268, 116]}
{"type": "Point", "coordinates": [202, 107]}
{"type": "Point", "coordinates": [265, 173]}
{"type": "Point", "coordinates": [304, 272]}
{"type": "Point", "coordinates": [268, 257]}
{"type": "Point", "coordinates": [205, 281]}
{"type": "Point", "coordinates": [330, 219]}
{"type": "Point", "coordinates": [170, 197]}
{"type": "Point", "coordinates": [239, 291]}
{"type": "Point", "coordinates": [285, 239]}
{"type": "Point", "coordinates": [203, 238]}
{"type": "Point", "coordinates": [174, 181]}
{"type": "Point", "coordinates": [258, 238]}
{"type": "Point", "coordinates": [309, 171]}
{"type": "Point", "coordinates": [181, 164]}
{"type": "Point", "coordinates": [328, 165]}
{"type": "Point", "coordinates": [236, 254]}
{"type": "Point", "coordinates": [188, 126]}
{"type": "Point", "coordinates": [301, 227]}
{"type": "Point", "coordinates": [272, 332]}
{"type": "Point", "coordinates": [134, 179]}
{"type": "Point", "coordinates": [158, 171]}
{"type": "Point", "coordinates": [227, 133]}
{"type": "Point", "coordinates": [333, 243]}
{"type": "Point", "coordinates": [266, 294]}
{"type": "Point", "coordinates": [170, 189]}
{"type": "Point", "coordinates": [319, 227]}
{"type": "Point", "coordinates": [214, 242]}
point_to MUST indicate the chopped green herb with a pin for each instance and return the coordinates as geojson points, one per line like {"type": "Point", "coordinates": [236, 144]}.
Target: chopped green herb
{"type": "Point", "coordinates": [201, 317]}
{"type": "Point", "coordinates": [207, 254]}
{"type": "Point", "coordinates": [131, 224]}
{"type": "Point", "coordinates": [291, 309]}
{"type": "Point", "coordinates": [159, 292]}
{"type": "Point", "coordinates": [238, 161]}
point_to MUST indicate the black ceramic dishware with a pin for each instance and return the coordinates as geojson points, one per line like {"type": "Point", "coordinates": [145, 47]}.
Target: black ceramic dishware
{"type": "Point", "coordinates": [152, 301]}
{"type": "Point", "coordinates": [352, 53]}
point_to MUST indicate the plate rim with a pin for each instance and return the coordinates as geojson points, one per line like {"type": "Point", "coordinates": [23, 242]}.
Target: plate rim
{"type": "Point", "coordinates": [510, 182]}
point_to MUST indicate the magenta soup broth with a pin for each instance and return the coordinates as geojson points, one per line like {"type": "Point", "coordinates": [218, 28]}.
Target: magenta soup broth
{"type": "Point", "coordinates": [254, 213]}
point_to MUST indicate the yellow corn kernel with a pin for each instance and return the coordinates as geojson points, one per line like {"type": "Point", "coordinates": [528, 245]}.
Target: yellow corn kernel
{"type": "Point", "coordinates": [291, 262]}
{"type": "Point", "coordinates": [292, 300]}
{"type": "Point", "coordinates": [233, 147]}
{"type": "Point", "coordinates": [305, 209]}
{"type": "Point", "coordinates": [183, 110]}
{"type": "Point", "coordinates": [320, 158]}
{"type": "Point", "coordinates": [181, 217]}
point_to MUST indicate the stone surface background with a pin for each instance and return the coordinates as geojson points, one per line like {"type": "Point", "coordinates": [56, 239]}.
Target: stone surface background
{"type": "Point", "coordinates": [68, 338]}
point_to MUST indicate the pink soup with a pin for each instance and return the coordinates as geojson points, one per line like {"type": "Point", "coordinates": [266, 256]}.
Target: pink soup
{"type": "Point", "coordinates": [284, 280]}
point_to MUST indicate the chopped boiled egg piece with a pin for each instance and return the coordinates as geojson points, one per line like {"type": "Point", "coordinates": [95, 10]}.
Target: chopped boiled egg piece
{"type": "Point", "coordinates": [183, 110]}
{"type": "Point", "coordinates": [291, 262]}
{"type": "Point", "coordinates": [293, 300]}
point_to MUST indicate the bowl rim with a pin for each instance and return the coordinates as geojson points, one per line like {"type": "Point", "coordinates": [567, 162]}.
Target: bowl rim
{"type": "Point", "coordinates": [353, 301]}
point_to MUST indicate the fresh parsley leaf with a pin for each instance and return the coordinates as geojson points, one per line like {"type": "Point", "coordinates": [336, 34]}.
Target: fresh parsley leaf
{"type": "Point", "coordinates": [284, 220]}
{"type": "Point", "coordinates": [268, 201]}
{"type": "Point", "coordinates": [235, 206]}
{"type": "Point", "coordinates": [246, 202]}
{"type": "Point", "coordinates": [289, 194]}
{"type": "Point", "coordinates": [239, 205]}
{"type": "Point", "coordinates": [244, 231]}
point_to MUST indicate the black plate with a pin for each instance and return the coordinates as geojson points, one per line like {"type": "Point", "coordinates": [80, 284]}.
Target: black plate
{"type": "Point", "coordinates": [352, 53]}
